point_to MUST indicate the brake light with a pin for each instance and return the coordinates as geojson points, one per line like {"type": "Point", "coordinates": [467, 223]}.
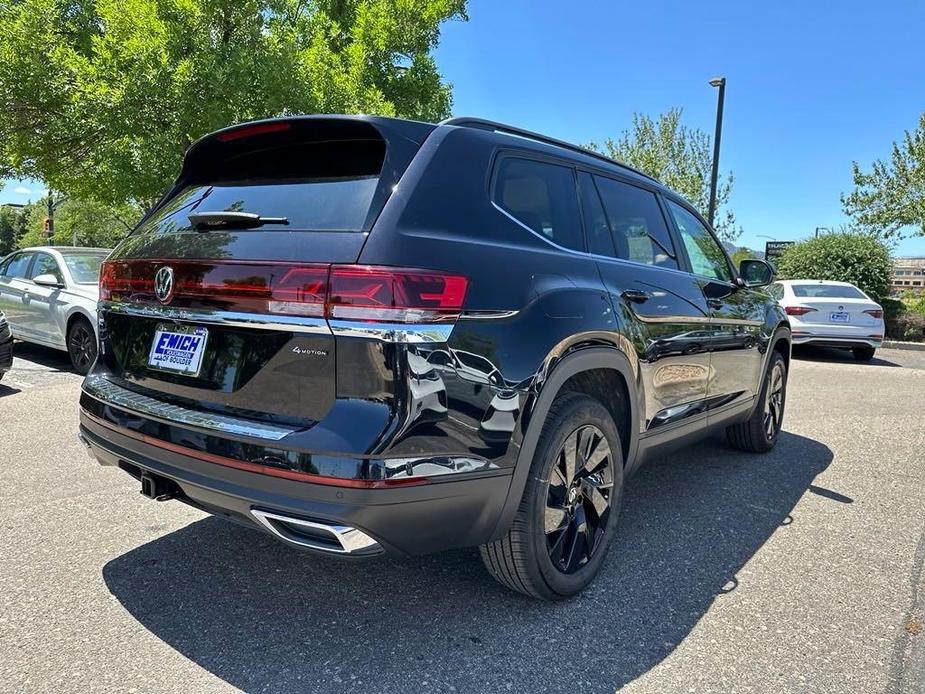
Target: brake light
{"type": "Point", "coordinates": [875, 312]}
{"type": "Point", "coordinates": [355, 292]}
{"type": "Point", "coordinates": [376, 293]}
{"type": "Point", "coordinates": [251, 130]}
{"type": "Point", "coordinates": [797, 310]}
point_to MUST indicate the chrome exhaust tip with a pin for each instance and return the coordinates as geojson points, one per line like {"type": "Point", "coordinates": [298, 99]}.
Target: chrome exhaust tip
{"type": "Point", "coordinates": [331, 538]}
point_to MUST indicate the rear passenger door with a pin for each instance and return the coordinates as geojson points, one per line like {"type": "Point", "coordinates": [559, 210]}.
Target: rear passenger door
{"type": "Point", "coordinates": [738, 313]}
{"type": "Point", "coordinates": [663, 306]}
{"type": "Point", "coordinates": [44, 302]}
{"type": "Point", "coordinates": [14, 291]}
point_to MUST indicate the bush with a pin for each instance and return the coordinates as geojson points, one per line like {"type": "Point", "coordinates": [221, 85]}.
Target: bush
{"type": "Point", "coordinates": [848, 257]}
{"type": "Point", "coordinates": [908, 327]}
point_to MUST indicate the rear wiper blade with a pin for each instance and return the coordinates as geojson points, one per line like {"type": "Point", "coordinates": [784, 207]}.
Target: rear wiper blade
{"type": "Point", "coordinates": [239, 220]}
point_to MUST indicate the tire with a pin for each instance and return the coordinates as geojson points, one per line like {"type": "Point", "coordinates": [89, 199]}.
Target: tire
{"type": "Point", "coordinates": [864, 353]}
{"type": "Point", "coordinates": [81, 345]}
{"type": "Point", "coordinates": [759, 433]}
{"type": "Point", "coordinates": [556, 565]}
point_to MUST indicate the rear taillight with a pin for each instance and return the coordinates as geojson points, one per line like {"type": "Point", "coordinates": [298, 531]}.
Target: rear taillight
{"type": "Point", "coordinates": [354, 292]}
{"type": "Point", "coordinates": [875, 312]}
{"type": "Point", "coordinates": [371, 293]}
{"type": "Point", "coordinates": [798, 310]}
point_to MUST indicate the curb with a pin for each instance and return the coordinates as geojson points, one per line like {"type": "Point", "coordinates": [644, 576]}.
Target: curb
{"type": "Point", "coordinates": [914, 346]}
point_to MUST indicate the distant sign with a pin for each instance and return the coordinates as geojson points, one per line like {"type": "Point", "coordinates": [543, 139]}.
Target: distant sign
{"type": "Point", "coordinates": [775, 249]}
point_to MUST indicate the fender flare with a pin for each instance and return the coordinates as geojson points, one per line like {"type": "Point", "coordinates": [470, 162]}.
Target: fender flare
{"type": "Point", "coordinates": [584, 359]}
{"type": "Point", "coordinates": [781, 332]}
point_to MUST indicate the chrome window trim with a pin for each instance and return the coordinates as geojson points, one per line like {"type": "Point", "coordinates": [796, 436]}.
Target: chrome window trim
{"type": "Point", "coordinates": [586, 254]}
{"type": "Point", "coordinates": [107, 392]}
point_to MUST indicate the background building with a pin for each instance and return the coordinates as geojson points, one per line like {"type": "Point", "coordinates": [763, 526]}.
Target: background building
{"type": "Point", "coordinates": [908, 274]}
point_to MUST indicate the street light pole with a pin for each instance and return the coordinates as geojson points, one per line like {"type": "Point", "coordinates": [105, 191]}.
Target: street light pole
{"type": "Point", "coordinates": [818, 229]}
{"type": "Point", "coordinates": [721, 83]}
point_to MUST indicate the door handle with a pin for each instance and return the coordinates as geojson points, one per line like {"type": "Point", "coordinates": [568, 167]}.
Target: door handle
{"type": "Point", "coordinates": [636, 296]}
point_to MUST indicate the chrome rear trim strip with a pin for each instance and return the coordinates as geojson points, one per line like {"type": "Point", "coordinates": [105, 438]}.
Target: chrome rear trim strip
{"type": "Point", "coordinates": [411, 333]}
{"type": "Point", "coordinates": [393, 332]}
{"type": "Point", "coordinates": [108, 392]}
{"type": "Point", "coordinates": [231, 319]}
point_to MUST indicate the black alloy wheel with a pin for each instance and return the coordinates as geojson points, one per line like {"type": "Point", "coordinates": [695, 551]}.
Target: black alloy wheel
{"type": "Point", "coordinates": [81, 345]}
{"type": "Point", "coordinates": [567, 518]}
{"type": "Point", "coordinates": [774, 401]}
{"type": "Point", "coordinates": [759, 433]}
{"type": "Point", "coordinates": [578, 498]}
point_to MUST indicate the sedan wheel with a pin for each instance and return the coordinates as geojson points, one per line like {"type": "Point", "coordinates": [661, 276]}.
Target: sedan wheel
{"type": "Point", "coordinates": [81, 346]}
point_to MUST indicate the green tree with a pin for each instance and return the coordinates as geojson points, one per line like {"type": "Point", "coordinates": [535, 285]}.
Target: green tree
{"type": "Point", "coordinates": [88, 222]}
{"type": "Point", "coordinates": [100, 98]}
{"type": "Point", "coordinates": [678, 156]}
{"type": "Point", "coordinates": [742, 254]}
{"type": "Point", "coordinates": [858, 258]}
{"type": "Point", "coordinates": [891, 196]}
{"type": "Point", "coordinates": [12, 226]}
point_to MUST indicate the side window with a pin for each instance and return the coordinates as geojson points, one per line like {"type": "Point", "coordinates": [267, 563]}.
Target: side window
{"type": "Point", "coordinates": [542, 197]}
{"type": "Point", "coordinates": [599, 239]}
{"type": "Point", "coordinates": [637, 225]}
{"type": "Point", "coordinates": [706, 255]}
{"type": "Point", "coordinates": [18, 266]}
{"type": "Point", "coordinates": [45, 265]}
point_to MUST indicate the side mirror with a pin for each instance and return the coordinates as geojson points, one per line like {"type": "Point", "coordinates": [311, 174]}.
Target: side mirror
{"type": "Point", "coordinates": [756, 273]}
{"type": "Point", "coordinates": [47, 280]}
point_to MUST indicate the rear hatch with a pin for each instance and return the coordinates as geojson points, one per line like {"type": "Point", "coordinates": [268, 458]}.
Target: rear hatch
{"type": "Point", "coordinates": [247, 235]}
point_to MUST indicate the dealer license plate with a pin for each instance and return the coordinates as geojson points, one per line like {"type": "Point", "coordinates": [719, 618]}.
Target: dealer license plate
{"type": "Point", "coordinates": [178, 348]}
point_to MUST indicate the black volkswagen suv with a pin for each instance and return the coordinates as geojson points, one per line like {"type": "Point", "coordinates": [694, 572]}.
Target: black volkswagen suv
{"type": "Point", "coordinates": [363, 334]}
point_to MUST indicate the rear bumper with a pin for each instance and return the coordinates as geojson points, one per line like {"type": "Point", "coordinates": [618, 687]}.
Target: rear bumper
{"type": "Point", "coordinates": [406, 520]}
{"type": "Point", "coordinates": [838, 341]}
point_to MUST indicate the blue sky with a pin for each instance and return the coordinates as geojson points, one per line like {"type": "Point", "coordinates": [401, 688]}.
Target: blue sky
{"type": "Point", "coordinates": [811, 87]}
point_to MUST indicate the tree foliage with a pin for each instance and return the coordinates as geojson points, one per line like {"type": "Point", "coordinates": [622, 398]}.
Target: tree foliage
{"type": "Point", "coordinates": [681, 158]}
{"type": "Point", "coordinates": [891, 196]}
{"type": "Point", "coordinates": [12, 226]}
{"type": "Point", "coordinates": [858, 258]}
{"type": "Point", "coordinates": [100, 98]}
{"type": "Point", "coordinates": [88, 222]}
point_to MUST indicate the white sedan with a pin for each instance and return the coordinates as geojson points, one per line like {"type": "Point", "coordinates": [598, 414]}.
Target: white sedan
{"type": "Point", "coordinates": [831, 314]}
{"type": "Point", "coordinates": [49, 296]}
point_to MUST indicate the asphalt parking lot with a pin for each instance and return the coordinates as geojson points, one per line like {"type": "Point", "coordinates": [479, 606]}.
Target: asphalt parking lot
{"type": "Point", "coordinates": [796, 571]}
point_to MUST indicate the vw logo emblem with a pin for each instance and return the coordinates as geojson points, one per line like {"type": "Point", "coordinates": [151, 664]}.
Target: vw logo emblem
{"type": "Point", "coordinates": [163, 284]}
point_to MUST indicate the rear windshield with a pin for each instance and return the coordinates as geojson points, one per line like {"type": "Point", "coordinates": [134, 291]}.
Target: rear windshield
{"type": "Point", "coordinates": [85, 268]}
{"type": "Point", "coordinates": [316, 186]}
{"type": "Point", "coordinates": [827, 291]}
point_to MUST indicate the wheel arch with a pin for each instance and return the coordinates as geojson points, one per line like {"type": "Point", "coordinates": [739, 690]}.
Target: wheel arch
{"type": "Point", "coordinates": [581, 367]}
{"type": "Point", "coordinates": [76, 313]}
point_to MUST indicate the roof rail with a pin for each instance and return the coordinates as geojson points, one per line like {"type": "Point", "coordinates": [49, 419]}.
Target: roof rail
{"type": "Point", "coordinates": [483, 124]}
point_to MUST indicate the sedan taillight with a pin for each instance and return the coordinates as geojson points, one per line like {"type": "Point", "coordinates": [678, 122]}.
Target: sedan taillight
{"type": "Point", "coordinates": [875, 312]}
{"type": "Point", "coordinates": [798, 310]}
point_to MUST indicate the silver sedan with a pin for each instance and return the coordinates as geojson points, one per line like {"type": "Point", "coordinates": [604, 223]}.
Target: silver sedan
{"type": "Point", "coordinates": [49, 296]}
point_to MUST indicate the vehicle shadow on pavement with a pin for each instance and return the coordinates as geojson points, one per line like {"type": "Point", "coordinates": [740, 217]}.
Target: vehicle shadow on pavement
{"type": "Point", "coordinates": [262, 616]}
{"type": "Point", "coordinates": [827, 354]}
{"type": "Point", "coordinates": [53, 359]}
